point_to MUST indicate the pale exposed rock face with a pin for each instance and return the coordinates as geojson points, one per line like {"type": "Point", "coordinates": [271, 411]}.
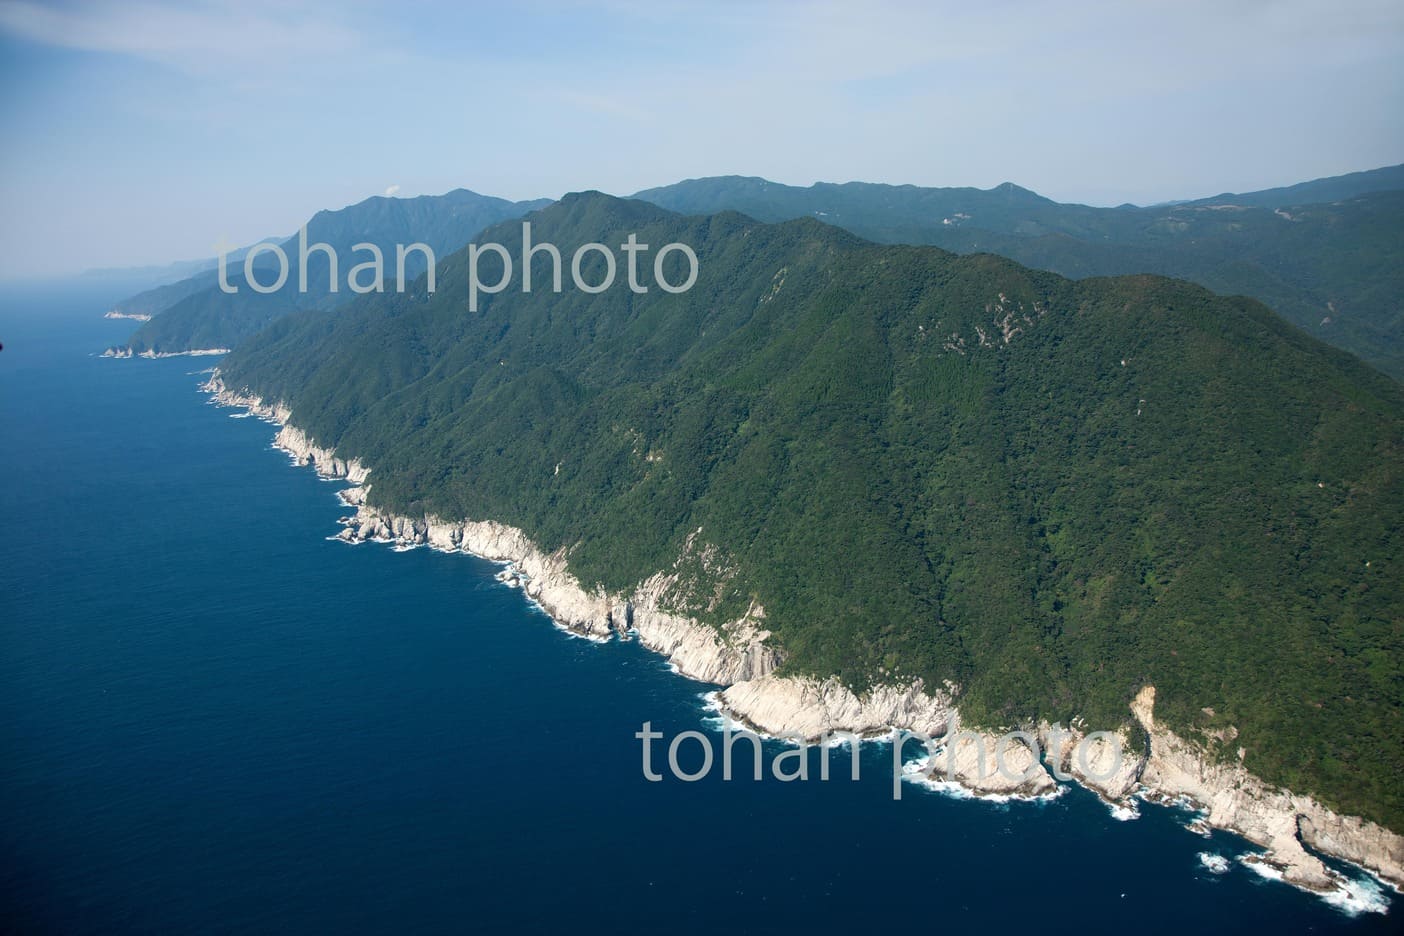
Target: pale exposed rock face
{"type": "Point", "coordinates": [1102, 761]}
{"type": "Point", "coordinates": [737, 653]}
{"type": "Point", "coordinates": [119, 352]}
{"type": "Point", "coordinates": [989, 763]}
{"type": "Point", "coordinates": [1355, 840]}
{"type": "Point", "coordinates": [1265, 815]}
{"type": "Point", "coordinates": [807, 708]}
{"type": "Point", "coordinates": [291, 440]}
{"type": "Point", "coordinates": [277, 412]}
{"type": "Point", "coordinates": [737, 657]}
{"type": "Point", "coordinates": [734, 653]}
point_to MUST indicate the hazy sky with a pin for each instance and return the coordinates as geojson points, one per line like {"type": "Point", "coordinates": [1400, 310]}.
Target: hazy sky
{"type": "Point", "coordinates": [140, 132]}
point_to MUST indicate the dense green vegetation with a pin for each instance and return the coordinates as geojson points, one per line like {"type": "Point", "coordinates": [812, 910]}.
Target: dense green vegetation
{"type": "Point", "coordinates": [1052, 492]}
{"type": "Point", "coordinates": [195, 313]}
{"type": "Point", "coordinates": [1327, 255]}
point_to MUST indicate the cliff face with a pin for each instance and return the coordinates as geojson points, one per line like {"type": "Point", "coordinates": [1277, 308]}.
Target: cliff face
{"type": "Point", "coordinates": [1276, 819]}
{"type": "Point", "coordinates": [1104, 762]}
{"type": "Point", "coordinates": [737, 652]}
{"type": "Point", "coordinates": [292, 439]}
{"type": "Point", "coordinates": [737, 657]}
{"type": "Point", "coordinates": [807, 708]}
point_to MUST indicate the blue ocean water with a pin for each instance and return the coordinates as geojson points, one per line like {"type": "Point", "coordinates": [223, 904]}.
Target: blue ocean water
{"type": "Point", "coordinates": [213, 719]}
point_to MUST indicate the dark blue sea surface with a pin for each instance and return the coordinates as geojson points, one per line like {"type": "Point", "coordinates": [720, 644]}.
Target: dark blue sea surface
{"type": "Point", "coordinates": [215, 720]}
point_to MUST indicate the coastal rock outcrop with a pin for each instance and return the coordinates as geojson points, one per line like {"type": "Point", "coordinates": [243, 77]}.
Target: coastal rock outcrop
{"type": "Point", "coordinates": [125, 352]}
{"type": "Point", "coordinates": [807, 708]}
{"type": "Point", "coordinates": [1355, 840]}
{"type": "Point", "coordinates": [737, 651]}
{"type": "Point", "coordinates": [292, 440]}
{"type": "Point", "coordinates": [737, 657]}
{"type": "Point", "coordinates": [986, 763]}
{"type": "Point", "coordinates": [1105, 762]}
{"type": "Point", "coordinates": [1278, 820]}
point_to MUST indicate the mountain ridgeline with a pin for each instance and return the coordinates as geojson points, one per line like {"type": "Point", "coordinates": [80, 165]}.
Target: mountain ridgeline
{"type": "Point", "coordinates": [1327, 255]}
{"type": "Point", "coordinates": [195, 313]}
{"type": "Point", "coordinates": [1050, 492]}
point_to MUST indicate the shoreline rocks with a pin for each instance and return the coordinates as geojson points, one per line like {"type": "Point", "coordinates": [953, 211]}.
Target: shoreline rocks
{"type": "Point", "coordinates": [1282, 822]}
{"type": "Point", "coordinates": [805, 708]}
{"type": "Point", "coordinates": [116, 352]}
{"type": "Point", "coordinates": [737, 657]}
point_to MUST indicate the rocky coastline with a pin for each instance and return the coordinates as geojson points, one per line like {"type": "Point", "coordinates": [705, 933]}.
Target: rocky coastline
{"type": "Point", "coordinates": [116, 352]}
{"type": "Point", "coordinates": [1292, 829]}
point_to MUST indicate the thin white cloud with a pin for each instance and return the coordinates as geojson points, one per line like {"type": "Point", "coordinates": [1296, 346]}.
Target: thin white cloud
{"type": "Point", "coordinates": [391, 190]}
{"type": "Point", "coordinates": [197, 38]}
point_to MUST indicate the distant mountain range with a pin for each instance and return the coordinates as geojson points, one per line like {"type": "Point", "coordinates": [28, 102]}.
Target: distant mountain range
{"type": "Point", "coordinates": [194, 313]}
{"type": "Point", "coordinates": [1327, 255]}
{"type": "Point", "coordinates": [1330, 189]}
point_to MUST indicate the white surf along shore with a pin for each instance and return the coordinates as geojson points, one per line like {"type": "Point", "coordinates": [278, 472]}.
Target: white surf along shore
{"type": "Point", "coordinates": [152, 355]}
{"type": "Point", "coordinates": [1292, 829]}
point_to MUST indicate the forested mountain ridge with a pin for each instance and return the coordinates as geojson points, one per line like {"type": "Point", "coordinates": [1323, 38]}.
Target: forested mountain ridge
{"type": "Point", "coordinates": [195, 313]}
{"type": "Point", "coordinates": [1051, 492]}
{"type": "Point", "coordinates": [1333, 267]}
{"type": "Point", "coordinates": [1328, 189]}
{"type": "Point", "coordinates": [1327, 255]}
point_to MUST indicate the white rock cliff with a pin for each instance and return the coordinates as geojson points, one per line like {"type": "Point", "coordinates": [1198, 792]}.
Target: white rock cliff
{"type": "Point", "coordinates": [737, 657]}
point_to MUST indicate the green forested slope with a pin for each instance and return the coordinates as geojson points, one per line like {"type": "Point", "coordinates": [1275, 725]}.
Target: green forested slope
{"type": "Point", "coordinates": [1326, 255]}
{"type": "Point", "coordinates": [195, 313]}
{"type": "Point", "coordinates": [1051, 492]}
